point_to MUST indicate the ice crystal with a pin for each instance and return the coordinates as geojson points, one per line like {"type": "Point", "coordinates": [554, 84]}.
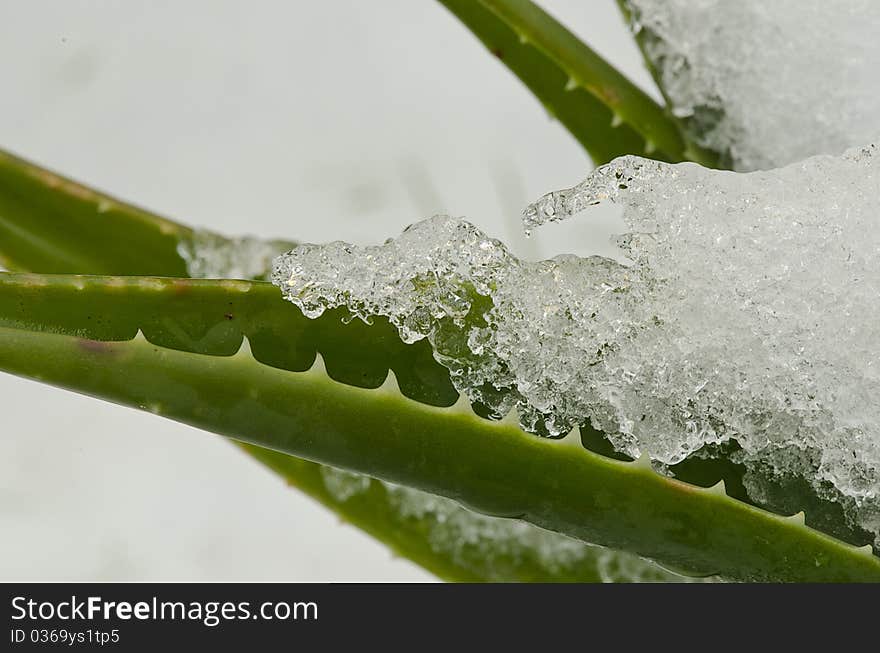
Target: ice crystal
{"type": "Point", "coordinates": [342, 484]}
{"type": "Point", "coordinates": [767, 83]}
{"type": "Point", "coordinates": [491, 544]}
{"type": "Point", "coordinates": [208, 255]}
{"type": "Point", "coordinates": [749, 312]}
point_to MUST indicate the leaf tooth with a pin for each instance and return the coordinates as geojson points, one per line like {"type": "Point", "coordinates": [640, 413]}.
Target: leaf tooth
{"type": "Point", "coordinates": [244, 350]}
{"type": "Point", "coordinates": [616, 120]}
{"type": "Point", "coordinates": [462, 405]}
{"type": "Point", "coordinates": [643, 461]}
{"type": "Point", "coordinates": [798, 518]}
{"type": "Point", "coordinates": [719, 489]}
{"type": "Point", "coordinates": [390, 385]}
{"type": "Point", "coordinates": [140, 337]}
{"type": "Point", "coordinates": [318, 367]}
{"type": "Point", "coordinates": [572, 438]}
{"type": "Point", "coordinates": [511, 419]}
{"type": "Point", "coordinates": [523, 39]}
{"type": "Point", "coordinates": [867, 549]}
{"type": "Point", "coordinates": [571, 84]}
{"type": "Point", "coordinates": [650, 147]}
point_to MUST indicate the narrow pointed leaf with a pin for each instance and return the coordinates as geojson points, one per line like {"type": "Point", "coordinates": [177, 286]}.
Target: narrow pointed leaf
{"type": "Point", "coordinates": [492, 467]}
{"type": "Point", "coordinates": [51, 224]}
{"type": "Point", "coordinates": [643, 38]}
{"type": "Point", "coordinates": [471, 548]}
{"type": "Point", "coordinates": [585, 116]}
{"type": "Point", "coordinates": [543, 53]}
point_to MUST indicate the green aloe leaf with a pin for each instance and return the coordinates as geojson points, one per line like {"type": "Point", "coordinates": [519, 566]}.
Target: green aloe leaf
{"type": "Point", "coordinates": [586, 117]}
{"type": "Point", "coordinates": [52, 224]}
{"type": "Point", "coordinates": [455, 543]}
{"type": "Point", "coordinates": [603, 110]}
{"type": "Point", "coordinates": [194, 366]}
{"type": "Point", "coordinates": [644, 39]}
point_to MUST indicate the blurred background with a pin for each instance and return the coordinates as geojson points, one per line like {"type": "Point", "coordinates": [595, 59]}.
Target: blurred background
{"type": "Point", "coordinates": [310, 121]}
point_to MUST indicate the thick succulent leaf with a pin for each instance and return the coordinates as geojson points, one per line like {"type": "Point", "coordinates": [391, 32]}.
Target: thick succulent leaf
{"type": "Point", "coordinates": [572, 81]}
{"type": "Point", "coordinates": [214, 318]}
{"type": "Point", "coordinates": [643, 38]}
{"type": "Point", "coordinates": [584, 115]}
{"type": "Point", "coordinates": [455, 543]}
{"type": "Point", "coordinates": [211, 317]}
{"type": "Point", "coordinates": [237, 387]}
{"type": "Point", "coordinates": [51, 224]}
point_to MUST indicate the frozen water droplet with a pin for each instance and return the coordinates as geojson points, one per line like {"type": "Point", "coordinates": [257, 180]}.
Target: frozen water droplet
{"type": "Point", "coordinates": [718, 61]}
{"type": "Point", "coordinates": [727, 323]}
{"type": "Point", "coordinates": [211, 256]}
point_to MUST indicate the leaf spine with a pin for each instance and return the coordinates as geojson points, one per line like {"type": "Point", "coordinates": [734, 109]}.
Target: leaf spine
{"type": "Point", "coordinates": [318, 367]}
{"type": "Point", "coordinates": [719, 489]}
{"type": "Point", "coordinates": [643, 461]}
{"type": "Point", "coordinates": [390, 385]}
{"type": "Point", "coordinates": [244, 350]}
{"type": "Point", "coordinates": [572, 438]}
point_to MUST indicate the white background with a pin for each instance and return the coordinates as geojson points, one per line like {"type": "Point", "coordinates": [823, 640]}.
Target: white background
{"type": "Point", "coordinates": [316, 121]}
